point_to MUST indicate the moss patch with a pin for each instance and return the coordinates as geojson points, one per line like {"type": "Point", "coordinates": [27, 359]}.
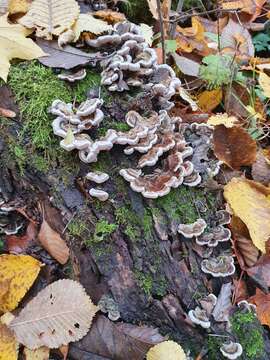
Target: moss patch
{"type": "Point", "coordinates": [249, 333]}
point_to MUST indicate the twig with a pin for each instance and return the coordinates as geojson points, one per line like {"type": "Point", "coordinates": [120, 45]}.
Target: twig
{"type": "Point", "coordinates": [179, 10]}
{"type": "Point", "coordinates": [161, 31]}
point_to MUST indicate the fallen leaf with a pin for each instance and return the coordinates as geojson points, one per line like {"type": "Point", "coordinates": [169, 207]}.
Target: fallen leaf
{"type": "Point", "coordinates": [186, 66]}
{"type": "Point", "coordinates": [87, 22]}
{"type": "Point", "coordinates": [7, 113]}
{"type": "Point", "coordinates": [234, 146]}
{"type": "Point", "coordinates": [53, 243]}
{"type": "Point", "coordinates": [20, 271]}
{"type": "Point", "coordinates": [147, 32]}
{"type": "Point", "coordinates": [7, 100]}
{"type": "Point", "coordinates": [153, 8]}
{"type": "Point", "coordinates": [66, 58]}
{"type": "Point", "coordinates": [236, 40]}
{"type": "Point", "coordinates": [110, 16]}
{"type": "Point", "coordinates": [64, 351]}
{"type": "Point", "coordinates": [264, 82]}
{"type": "Point", "coordinates": [208, 100]}
{"type": "Point", "coordinates": [224, 303]}
{"type": "Point", "coordinates": [249, 201]}
{"type": "Point", "coordinates": [262, 302]}
{"type": "Point", "coordinates": [167, 350]}
{"type": "Point", "coordinates": [13, 44]}
{"type": "Point", "coordinates": [261, 169]}
{"type": "Point", "coordinates": [252, 7]}
{"type": "Point", "coordinates": [3, 6]}
{"type": "Point", "coordinates": [18, 244]}
{"type": "Point", "coordinates": [222, 119]}
{"type": "Point", "coordinates": [9, 347]}
{"type": "Point", "coordinates": [116, 341]}
{"type": "Point", "coordinates": [18, 6]}
{"type": "Point", "coordinates": [50, 17]}
{"type": "Point", "coordinates": [185, 96]}
{"type": "Point", "coordinates": [260, 272]}
{"type": "Point", "coordinates": [59, 314]}
{"type": "Point", "coordinates": [42, 353]}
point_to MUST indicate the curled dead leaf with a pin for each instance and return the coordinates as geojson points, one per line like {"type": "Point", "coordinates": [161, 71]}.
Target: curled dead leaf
{"type": "Point", "coordinates": [234, 146]}
{"type": "Point", "coordinates": [262, 302]}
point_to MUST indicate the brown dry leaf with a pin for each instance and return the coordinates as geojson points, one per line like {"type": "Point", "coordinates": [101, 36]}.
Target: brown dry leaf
{"type": "Point", "coordinates": [236, 39]}
{"type": "Point", "coordinates": [42, 353]}
{"type": "Point", "coordinates": [18, 244]}
{"type": "Point", "coordinates": [186, 66]}
{"type": "Point", "coordinates": [153, 8]}
{"type": "Point", "coordinates": [59, 314]}
{"type": "Point", "coordinates": [53, 243]}
{"type": "Point", "coordinates": [165, 9]}
{"type": "Point", "coordinates": [116, 341]}
{"type": "Point", "coordinates": [18, 6]}
{"type": "Point", "coordinates": [51, 17]}
{"type": "Point", "coordinates": [222, 119]}
{"type": "Point", "coordinates": [234, 146]}
{"type": "Point", "coordinates": [250, 202]}
{"type": "Point", "coordinates": [260, 272]}
{"type": "Point", "coordinates": [252, 7]}
{"type": "Point", "coordinates": [110, 16]}
{"type": "Point", "coordinates": [262, 302]}
{"type": "Point", "coordinates": [167, 350]}
{"type": "Point", "coordinates": [20, 271]}
{"type": "Point", "coordinates": [7, 113]}
{"type": "Point", "coordinates": [64, 351]}
{"type": "Point", "coordinates": [261, 169]}
{"type": "Point", "coordinates": [208, 100]}
{"type": "Point", "coordinates": [9, 347]}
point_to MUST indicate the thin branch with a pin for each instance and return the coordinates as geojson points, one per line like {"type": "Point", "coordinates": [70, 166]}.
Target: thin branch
{"type": "Point", "coordinates": [178, 10]}
{"type": "Point", "coordinates": [161, 31]}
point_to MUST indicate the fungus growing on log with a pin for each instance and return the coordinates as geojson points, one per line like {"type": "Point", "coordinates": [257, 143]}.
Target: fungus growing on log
{"type": "Point", "coordinates": [108, 305]}
{"type": "Point", "coordinates": [99, 194]}
{"type": "Point", "coordinates": [221, 266]}
{"type": "Point", "coordinates": [98, 177]}
{"type": "Point", "coordinates": [191, 230]}
{"type": "Point", "coordinates": [72, 77]}
{"type": "Point", "coordinates": [231, 350]}
{"type": "Point", "coordinates": [199, 317]}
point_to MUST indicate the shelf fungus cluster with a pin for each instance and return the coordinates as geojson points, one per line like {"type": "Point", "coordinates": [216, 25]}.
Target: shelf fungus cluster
{"type": "Point", "coordinates": [201, 314]}
{"type": "Point", "coordinates": [10, 221]}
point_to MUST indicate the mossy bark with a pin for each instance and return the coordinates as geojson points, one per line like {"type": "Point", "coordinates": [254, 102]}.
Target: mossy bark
{"type": "Point", "coordinates": [128, 246]}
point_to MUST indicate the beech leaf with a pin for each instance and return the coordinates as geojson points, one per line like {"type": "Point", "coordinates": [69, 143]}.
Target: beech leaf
{"type": "Point", "coordinates": [14, 44]}
{"type": "Point", "coordinates": [51, 17]}
{"type": "Point", "coordinates": [234, 146]}
{"type": "Point", "coordinates": [87, 22]}
{"type": "Point", "coordinates": [59, 314]}
{"type": "Point", "coordinates": [53, 243]}
{"type": "Point", "coordinates": [250, 202]}
{"type": "Point", "coordinates": [18, 272]}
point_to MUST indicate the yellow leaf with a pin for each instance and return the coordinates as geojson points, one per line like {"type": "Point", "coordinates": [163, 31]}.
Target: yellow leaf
{"type": "Point", "coordinates": [249, 201]}
{"type": "Point", "coordinates": [13, 44]}
{"type": "Point", "coordinates": [8, 345]}
{"type": "Point", "coordinates": [20, 271]}
{"type": "Point", "coordinates": [18, 6]}
{"type": "Point", "coordinates": [166, 350]}
{"type": "Point", "coordinates": [51, 17]}
{"type": "Point", "coordinates": [209, 100]}
{"type": "Point", "coordinates": [41, 353]}
{"type": "Point", "coordinates": [147, 32]}
{"type": "Point", "coordinates": [87, 22]}
{"type": "Point", "coordinates": [264, 81]}
{"type": "Point", "coordinates": [153, 8]}
{"type": "Point", "coordinates": [222, 119]}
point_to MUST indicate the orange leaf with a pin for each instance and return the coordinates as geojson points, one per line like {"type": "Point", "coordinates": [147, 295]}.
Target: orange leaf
{"type": "Point", "coordinates": [262, 301]}
{"type": "Point", "coordinates": [110, 16]}
{"type": "Point", "coordinates": [209, 100]}
{"type": "Point", "coordinates": [53, 243]}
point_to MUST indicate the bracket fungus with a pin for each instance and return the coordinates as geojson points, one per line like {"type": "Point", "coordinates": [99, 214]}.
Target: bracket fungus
{"type": "Point", "coordinates": [108, 305]}
{"type": "Point", "coordinates": [191, 230]}
{"type": "Point", "coordinates": [208, 303]}
{"type": "Point", "coordinates": [97, 176]}
{"type": "Point", "coordinates": [73, 76]}
{"type": "Point", "coordinates": [10, 221]}
{"type": "Point", "coordinates": [199, 317]}
{"type": "Point", "coordinates": [221, 266]}
{"type": "Point", "coordinates": [101, 195]}
{"type": "Point", "coordinates": [231, 350]}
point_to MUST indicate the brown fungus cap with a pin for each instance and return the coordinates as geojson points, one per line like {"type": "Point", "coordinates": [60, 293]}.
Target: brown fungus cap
{"type": "Point", "coordinates": [192, 230]}
{"type": "Point", "coordinates": [221, 266]}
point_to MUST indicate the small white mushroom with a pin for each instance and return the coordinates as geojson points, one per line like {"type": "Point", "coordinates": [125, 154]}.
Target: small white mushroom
{"type": "Point", "coordinates": [97, 177]}
{"type": "Point", "coordinates": [199, 317]}
{"type": "Point", "coordinates": [194, 229]}
{"type": "Point", "coordinates": [99, 194]}
{"type": "Point", "coordinates": [231, 350]}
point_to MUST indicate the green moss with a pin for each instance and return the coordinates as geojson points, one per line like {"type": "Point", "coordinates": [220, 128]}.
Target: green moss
{"type": "Point", "coordinates": [126, 217]}
{"type": "Point", "coordinates": [80, 88]}
{"type": "Point", "coordinates": [213, 345]}
{"type": "Point", "coordinates": [103, 229]}
{"type": "Point", "coordinates": [147, 223]}
{"type": "Point", "coordinates": [249, 333]}
{"type": "Point", "coordinates": [39, 163]}
{"type": "Point", "coordinates": [77, 227]}
{"type": "Point", "coordinates": [145, 282]}
{"type": "Point", "coordinates": [107, 123]}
